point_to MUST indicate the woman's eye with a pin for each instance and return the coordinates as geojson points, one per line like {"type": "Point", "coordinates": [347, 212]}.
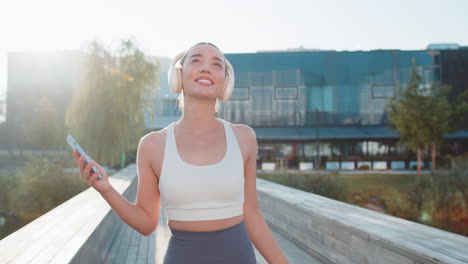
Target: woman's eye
{"type": "Point", "coordinates": [219, 65]}
{"type": "Point", "coordinates": [194, 60]}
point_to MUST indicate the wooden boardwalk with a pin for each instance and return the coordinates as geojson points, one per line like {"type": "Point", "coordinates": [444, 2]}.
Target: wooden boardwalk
{"type": "Point", "coordinates": [129, 246]}
{"type": "Point", "coordinates": [85, 229]}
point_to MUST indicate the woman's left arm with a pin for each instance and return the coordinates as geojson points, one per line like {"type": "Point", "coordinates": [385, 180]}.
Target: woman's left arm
{"type": "Point", "coordinates": [258, 230]}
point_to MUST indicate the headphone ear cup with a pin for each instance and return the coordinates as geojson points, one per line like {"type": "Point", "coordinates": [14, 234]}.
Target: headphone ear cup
{"type": "Point", "coordinates": [228, 82]}
{"type": "Point", "coordinates": [175, 74]}
{"type": "Point", "coordinates": [172, 79]}
{"type": "Point", "coordinates": [178, 80]}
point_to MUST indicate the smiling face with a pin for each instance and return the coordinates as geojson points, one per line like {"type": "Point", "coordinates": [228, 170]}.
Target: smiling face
{"type": "Point", "coordinates": [203, 72]}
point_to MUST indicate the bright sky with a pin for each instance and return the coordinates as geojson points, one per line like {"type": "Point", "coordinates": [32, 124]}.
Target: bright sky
{"type": "Point", "coordinates": [166, 27]}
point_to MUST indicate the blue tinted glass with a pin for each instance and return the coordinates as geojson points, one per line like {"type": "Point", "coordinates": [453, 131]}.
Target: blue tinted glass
{"type": "Point", "coordinates": [260, 78]}
{"type": "Point", "coordinates": [169, 108]}
{"type": "Point", "coordinates": [382, 91]}
{"type": "Point", "coordinates": [240, 94]}
{"type": "Point", "coordinates": [241, 79]}
{"type": "Point", "coordinates": [344, 87]}
{"type": "Point", "coordinates": [286, 93]}
{"type": "Point", "coordinates": [262, 99]}
{"type": "Point", "coordinates": [285, 78]}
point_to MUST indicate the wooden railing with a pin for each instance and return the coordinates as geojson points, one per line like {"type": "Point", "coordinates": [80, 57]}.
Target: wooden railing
{"type": "Point", "coordinates": [337, 232]}
{"type": "Point", "coordinates": [308, 227]}
{"type": "Point", "coordinates": [84, 229]}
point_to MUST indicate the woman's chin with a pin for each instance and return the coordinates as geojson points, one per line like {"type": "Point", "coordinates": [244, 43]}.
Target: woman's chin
{"type": "Point", "coordinates": [204, 96]}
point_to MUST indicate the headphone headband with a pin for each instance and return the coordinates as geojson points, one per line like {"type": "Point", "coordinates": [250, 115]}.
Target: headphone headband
{"type": "Point", "coordinates": [175, 76]}
{"type": "Point", "coordinates": [178, 65]}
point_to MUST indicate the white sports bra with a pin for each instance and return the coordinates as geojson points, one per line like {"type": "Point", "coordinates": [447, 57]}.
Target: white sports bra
{"type": "Point", "coordinates": [202, 192]}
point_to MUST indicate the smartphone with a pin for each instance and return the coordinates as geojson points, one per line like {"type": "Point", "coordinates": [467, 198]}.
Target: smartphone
{"type": "Point", "coordinates": [74, 145]}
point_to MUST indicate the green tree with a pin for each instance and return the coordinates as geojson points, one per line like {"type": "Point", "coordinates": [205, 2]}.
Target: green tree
{"type": "Point", "coordinates": [408, 114]}
{"type": "Point", "coordinates": [459, 109]}
{"type": "Point", "coordinates": [422, 115]}
{"type": "Point", "coordinates": [444, 116]}
{"type": "Point", "coordinates": [106, 115]}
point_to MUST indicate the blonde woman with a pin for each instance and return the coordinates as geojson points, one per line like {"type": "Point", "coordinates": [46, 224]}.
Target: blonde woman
{"type": "Point", "coordinates": [201, 169]}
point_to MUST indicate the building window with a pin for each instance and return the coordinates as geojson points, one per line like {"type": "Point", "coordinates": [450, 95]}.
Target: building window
{"type": "Point", "coordinates": [262, 99]}
{"type": "Point", "coordinates": [436, 74]}
{"type": "Point", "coordinates": [240, 94]}
{"type": "Point", "coordinates": [260, 79]}
{"type": "Point", "coordinates": [285, 78]}
{"type": "Point", "coordinates": [286, 93]}
{"type": "Point", "coordinates": [242, 79]}
{"type": "Point", "coordinates": [382, 91]}
{"type": "Point", "coordinates": [169, 107]}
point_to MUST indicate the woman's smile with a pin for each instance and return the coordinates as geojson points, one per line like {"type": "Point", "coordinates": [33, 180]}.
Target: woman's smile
{"type": "Point", "coordinates": [205, 81]}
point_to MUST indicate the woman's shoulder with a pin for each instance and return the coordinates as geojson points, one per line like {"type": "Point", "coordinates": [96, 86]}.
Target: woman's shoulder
{"type": "Point", "coordinates": [242, 128]}
{"type": "Point", "coordinates": [246, 138]}
{"type": "Point", "coordinates": [243, 131]}
{"type": "Point", "coordinates": [151, 148]}
{"type": "Point", "coordinates": [155, 138]}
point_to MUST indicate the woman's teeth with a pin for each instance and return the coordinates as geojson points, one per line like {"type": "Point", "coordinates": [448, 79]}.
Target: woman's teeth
{"type": "Point", "coordinates": [204, 81]}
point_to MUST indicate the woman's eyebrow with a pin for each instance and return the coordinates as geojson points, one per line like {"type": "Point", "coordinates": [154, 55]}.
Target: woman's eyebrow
{"type": "Point", "coordinates": [195, 55]}
{"type": "Point", "coordinates": [199, 55]}
{"type": "Point", "coordinates": [216, 58]}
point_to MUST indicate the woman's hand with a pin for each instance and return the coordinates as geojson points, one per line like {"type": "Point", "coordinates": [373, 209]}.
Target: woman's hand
{"type": "Point", "coordinates": [103, 185]}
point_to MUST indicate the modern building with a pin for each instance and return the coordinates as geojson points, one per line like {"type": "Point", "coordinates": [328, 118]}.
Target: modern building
{"type": "Point", "coordinates": [327, 107]}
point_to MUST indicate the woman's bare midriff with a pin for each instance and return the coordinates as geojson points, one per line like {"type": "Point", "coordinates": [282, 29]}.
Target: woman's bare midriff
{"type": "Point", "coordinates": [206, 225]}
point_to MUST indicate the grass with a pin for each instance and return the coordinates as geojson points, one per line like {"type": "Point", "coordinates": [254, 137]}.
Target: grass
{"type": "Point", "coordinates": [377, 183]}
{"type": "Point", "coordinates": [353, 183]}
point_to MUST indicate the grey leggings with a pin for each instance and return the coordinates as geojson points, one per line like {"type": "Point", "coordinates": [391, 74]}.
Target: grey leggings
{"type": "Point", "coordinates": [230, 245]}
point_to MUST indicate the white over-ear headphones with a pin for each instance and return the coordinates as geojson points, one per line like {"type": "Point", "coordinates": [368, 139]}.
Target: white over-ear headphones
{"type": "Point", "coordinates": [175, 76]}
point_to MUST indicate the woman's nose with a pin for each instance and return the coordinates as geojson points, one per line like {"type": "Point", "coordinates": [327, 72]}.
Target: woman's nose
{"type": "Point", "coordinates": [205, 67]}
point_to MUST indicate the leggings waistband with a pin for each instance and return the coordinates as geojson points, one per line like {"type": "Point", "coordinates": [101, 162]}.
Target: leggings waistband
{"type": "Point", "coordinates": [195, 234]}
{"type": "Point", "coordinates": [231, 245]}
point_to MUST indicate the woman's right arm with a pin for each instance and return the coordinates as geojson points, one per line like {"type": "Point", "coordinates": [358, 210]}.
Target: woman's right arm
{"type": "Point", "coordinates": [143, 216]}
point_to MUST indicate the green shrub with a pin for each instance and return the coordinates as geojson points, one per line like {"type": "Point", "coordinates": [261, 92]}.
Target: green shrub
{"type": "Point", "coordinates": [449, 191]}
{"type": "Point", "coordinates": [41, 186]}
{"type": "Point", "coordinates": [441, 195]}
{"type": "Point", "coordinates": [326, 184]}
{"type": "Point", "coordinates": [8, 188]}
{"type": "Point", "coordinates": [364, 167]}
{"type": "Point", "coordinates": [392, 201]}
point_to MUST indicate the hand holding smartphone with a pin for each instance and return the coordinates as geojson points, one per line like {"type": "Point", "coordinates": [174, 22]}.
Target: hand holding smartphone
{"type": "Point", "coordinates": [74, 145]}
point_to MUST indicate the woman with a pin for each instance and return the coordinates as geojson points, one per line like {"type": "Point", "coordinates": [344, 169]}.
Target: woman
{"type": "Point", "coordinates": [201, 168]}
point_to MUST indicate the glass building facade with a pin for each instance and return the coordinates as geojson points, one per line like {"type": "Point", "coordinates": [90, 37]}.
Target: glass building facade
{"type": "Point", "coordinates": [324, 106]}
{"type": "Point", "coordinates": [312, 106]}
{"type": "Point", "coordinates": [321, 88]}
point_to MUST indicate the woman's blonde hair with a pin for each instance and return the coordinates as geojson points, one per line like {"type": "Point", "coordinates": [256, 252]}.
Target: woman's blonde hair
{"type": "Point", "coordinates": [175, 78]}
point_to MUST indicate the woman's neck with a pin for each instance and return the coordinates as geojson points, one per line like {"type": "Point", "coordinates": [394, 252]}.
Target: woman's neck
{"type": "Point", "coordinates": [198, 117]}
